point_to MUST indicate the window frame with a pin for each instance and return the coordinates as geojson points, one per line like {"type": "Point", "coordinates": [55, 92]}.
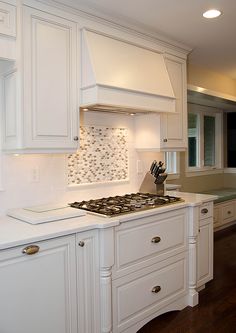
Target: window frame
{"type": "Point", "coordinates": [201, 169]}
{"type": "Point", "coordinates": [172, 162]}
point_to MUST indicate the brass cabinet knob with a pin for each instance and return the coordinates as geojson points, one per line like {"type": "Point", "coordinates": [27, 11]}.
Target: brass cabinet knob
{"type": "Point", "coordinates": [156, 239]}
{"type": "Point", "coordinates": [31, 249]}
{"type": "Point", "coordinates": [204, 211]}
{"type": "Point", "coordinates": [81, 243]}
{"type": "Point", "coordinates": [76, 138]}
{"type": "Point", "coordinates": [156, 289]}
{"type": "Point", "coordinates": [165, 140]}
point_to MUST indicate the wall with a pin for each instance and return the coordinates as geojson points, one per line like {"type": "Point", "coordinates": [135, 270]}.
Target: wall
{"type": "Point", "coordinates": [205, 78]}
{"type": "Point", "coordinates": [197, 184]}
{"type": "Point", "coordinates": [20, 190]}
{"type": "Point", "coordinates": [18, 172]}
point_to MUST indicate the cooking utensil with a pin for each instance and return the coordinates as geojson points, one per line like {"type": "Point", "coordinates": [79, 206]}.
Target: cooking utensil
{"type": "Point", "coordinates": [155, 170]}
{"type": "Point", "coordinates": [153, 166]}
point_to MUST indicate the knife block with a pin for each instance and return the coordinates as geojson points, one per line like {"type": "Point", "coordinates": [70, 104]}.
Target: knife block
{"type": "Point", "coordinates": [148, 185]}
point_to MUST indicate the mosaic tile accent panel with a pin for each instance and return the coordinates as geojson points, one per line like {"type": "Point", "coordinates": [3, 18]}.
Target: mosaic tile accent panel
{"type": "Point", "coordinates": [102, 157]}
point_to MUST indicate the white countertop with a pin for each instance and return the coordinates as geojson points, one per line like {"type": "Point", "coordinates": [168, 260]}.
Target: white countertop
{"type": "Point", "coordinates": [14, 232]}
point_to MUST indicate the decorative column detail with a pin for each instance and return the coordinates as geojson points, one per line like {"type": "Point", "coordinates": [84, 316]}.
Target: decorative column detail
{"type": "Point", "coordinates": [193, 294]}
{"type": "Point", "coordinates": [106, 302]}
{"type": "Point", "coordinates": [107, 257]}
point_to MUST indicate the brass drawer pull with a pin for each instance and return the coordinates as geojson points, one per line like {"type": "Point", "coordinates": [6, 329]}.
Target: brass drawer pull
{"type": "Point", "coordinates": [204, 211]}
{"type": "Point", "coordinates": [31, 249]}
{"type": "Point", "coordinates": [156, 239]}
{"type": "Point", "coordinates": [156, 289]}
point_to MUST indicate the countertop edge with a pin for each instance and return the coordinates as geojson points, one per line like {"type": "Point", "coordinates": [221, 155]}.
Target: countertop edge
{"type": "Point", "coordinates": [14, 232]}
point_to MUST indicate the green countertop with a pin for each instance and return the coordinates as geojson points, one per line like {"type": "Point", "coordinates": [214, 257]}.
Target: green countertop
{"type": "Point", "coordinates": [224, 194]}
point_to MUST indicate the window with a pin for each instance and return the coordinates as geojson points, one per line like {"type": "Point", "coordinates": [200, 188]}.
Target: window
{"type": "Point", "coordinates": [172, 163]}
{"type": "Point", "coordinates": [193, 139]}
{"type": "Point", "coordinates": [204, 138]}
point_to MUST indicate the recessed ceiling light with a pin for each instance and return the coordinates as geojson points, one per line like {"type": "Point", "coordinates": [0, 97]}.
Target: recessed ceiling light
{"type": "Point", "coordinates": [212, 13]}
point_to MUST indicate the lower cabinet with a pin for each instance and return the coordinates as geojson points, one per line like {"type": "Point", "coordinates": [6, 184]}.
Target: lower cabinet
{"type": "Point", "coordinates": [51, 286]}
{"type": "Point", "coordinates": [149, 292]}
{"type": "Point", "coordinates": [114, 279]}
{"type": "Point", "coordinates": [205, 252]}
{"type": "Point", "coordinates": [38, 288]}
{"type": "Point", "coordinates": [149, 276]}
{"type": "Point", "coordinates": [224, 213]}
{"type": "Point", "coordinates": [88, 282]}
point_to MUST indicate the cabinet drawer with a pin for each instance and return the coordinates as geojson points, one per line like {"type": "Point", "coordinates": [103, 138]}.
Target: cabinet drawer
{"type": "Point", "coordinates": [145, 244]}
{"type": "Point", "coordinates": [7, 19]}
{"type": "Point", "coordinates": [228, 212]}
{"type": "Point", "coordinates": [143, 293]}
{"type": "Point", "coordinates": [206, 210]}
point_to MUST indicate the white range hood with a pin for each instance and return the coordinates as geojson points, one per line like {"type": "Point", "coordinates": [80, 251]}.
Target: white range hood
{"type": "Point", "coordinates": [120, 77]}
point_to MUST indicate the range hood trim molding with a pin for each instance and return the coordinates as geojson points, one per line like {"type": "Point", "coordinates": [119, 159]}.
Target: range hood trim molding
{"type": "Point", "coordinates": [100, 85]}
{"type": "Point", "coordinates": [132, 101]}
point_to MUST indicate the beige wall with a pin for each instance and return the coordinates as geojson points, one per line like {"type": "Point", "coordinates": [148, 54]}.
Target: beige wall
{"type": "Point", "coordinates": [230, 180]}
{"type": "Point", "coordinates": [205, 78]}
{"type": "Point", "coordinates": [197, 184]}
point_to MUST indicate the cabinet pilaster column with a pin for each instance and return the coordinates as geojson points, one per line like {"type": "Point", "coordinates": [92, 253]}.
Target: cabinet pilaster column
{"type": "Point", "coordinates": [106, 302]}
{"type": "Point", "coordinates": [193, 215]}
{"type": "Point", "coordinates": [106, 239]}
{"type": "Point", "coordinates": [193, 294]}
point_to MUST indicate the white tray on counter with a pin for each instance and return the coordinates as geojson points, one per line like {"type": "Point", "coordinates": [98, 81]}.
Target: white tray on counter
{"type": "Point", "coordinates": [45, 213]}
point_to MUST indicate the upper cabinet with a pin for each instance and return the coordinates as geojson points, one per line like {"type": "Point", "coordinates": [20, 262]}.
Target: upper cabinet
{"type": "Point", "coordinates": [174, 126]}
{"type": "Point", "coordinates": [43, 115]}
{"type": "Point", "coordinates": [167, 132]}
{"type": "Point", "coordinates": [7, 19]}
{"type": "Point", "coordinates": [110, 69]}
{"type": "Point", "coordinates": [7, 31]}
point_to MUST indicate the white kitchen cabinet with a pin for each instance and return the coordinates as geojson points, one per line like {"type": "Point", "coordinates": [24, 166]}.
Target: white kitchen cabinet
{"type": "Point", "coordinates": [166, 132]}
{"type": "Point", "coordinates": [205, 252]}
{"type": "Point", "coordinates": [7, 31]}
{"type": "Point", "coordinates": [174, 126]}
{"type": "Point", "coordinates": [88, 282]}
{"type": "Point", "coordinates": [150, 272]}
{"type": "Point", "coordinates": [43, 86]}
{"type": "Point", "coordinates": [224, 214]}
{"type": "Point", "coordinates": [205, 245]}
{"type": "Point", "coordinates": [7, 19]}
{"type": "Point", "coordinates": [38, 291]}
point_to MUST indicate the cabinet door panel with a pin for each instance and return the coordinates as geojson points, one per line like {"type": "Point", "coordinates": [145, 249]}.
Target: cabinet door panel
{"type": "Point", "coordinates": [174, 126]}
{"type": "Point", "coordinates": [49, 81]}
{"type": "Point", "coordinates": [7, 19]}
{"type": "Point", "coordinates": [38, 292]}
{"type": "Point", "coordinates": [88, 282]}
{"type": "Point", "coordinates": [205, 254]}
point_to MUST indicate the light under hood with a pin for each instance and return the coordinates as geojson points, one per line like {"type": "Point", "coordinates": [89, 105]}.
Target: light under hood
{"type": "Point", "coordinates": [120, 77]}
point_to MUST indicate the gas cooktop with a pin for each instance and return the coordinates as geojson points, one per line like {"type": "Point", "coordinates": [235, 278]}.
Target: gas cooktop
{"type": "Point", "coordinates": [128, 203]}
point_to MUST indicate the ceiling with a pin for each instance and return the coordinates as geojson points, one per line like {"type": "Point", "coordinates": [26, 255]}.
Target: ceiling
{"type": "Point", "coordinates": [212, 41]}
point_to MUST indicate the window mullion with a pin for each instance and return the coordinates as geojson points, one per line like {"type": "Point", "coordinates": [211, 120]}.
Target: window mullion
{"type": "Point", "coordinates": [201, 141]}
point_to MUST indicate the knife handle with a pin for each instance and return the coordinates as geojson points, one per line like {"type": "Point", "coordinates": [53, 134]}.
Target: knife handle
{"type": "Point", "coordinates": [153, 166]}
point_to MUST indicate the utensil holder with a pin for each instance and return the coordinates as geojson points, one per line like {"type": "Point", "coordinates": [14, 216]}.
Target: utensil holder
{"type": "Point", "coordinates": [148, 185]}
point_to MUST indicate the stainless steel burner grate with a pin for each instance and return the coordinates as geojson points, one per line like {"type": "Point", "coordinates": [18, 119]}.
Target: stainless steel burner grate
{"type": "Point", "coordinates": [128, 203]}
